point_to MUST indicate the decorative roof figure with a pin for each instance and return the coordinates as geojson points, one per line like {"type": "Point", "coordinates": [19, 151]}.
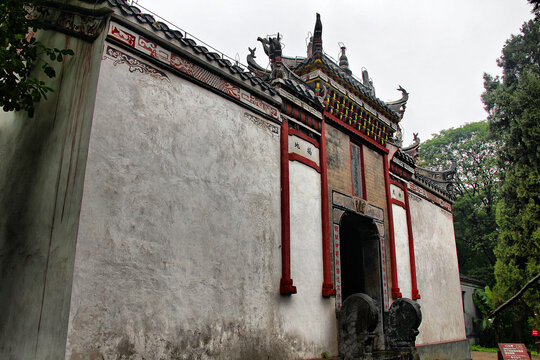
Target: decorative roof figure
{"type": "Point", "coordinates": [256, 68]}
{"type": "Point", "coordinates": [399, 106]}
{"type": "Point", "coordinates": [367, 82]}
{"type": "Point", "coordinates": [272, 48]}
{"type": "Point", "coordinates": [398, 137]}
{"type": "Point", "coordinates": [344, 62]}
{"type": "Point", "coordinates": [310, 46]}
{"type": "Point", "coordinates": [317, 37]}
{"type": "Point", "coordinates": [440, 180]}
{"type": "Point", "coordinates": [412, 150]}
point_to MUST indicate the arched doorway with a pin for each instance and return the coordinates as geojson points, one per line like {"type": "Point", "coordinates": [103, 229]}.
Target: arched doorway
{"type": "Point", "coordinates": [360, 257]}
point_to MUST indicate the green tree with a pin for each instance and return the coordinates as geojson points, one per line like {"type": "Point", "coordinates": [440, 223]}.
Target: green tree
{"type": "Point", "coordinates": [536, 7]}
{"type": "Point", "coordinates": [21, 53]}
{"type": "Point", "coordinates": [475, 152]}
{"type": "Point", "coordinates": [513, 105]}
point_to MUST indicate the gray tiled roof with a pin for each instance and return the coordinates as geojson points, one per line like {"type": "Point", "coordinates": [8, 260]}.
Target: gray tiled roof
{"type": "Point", "coordinates": [351, 80]}
{"type": "Point", "coordinates": [301, 88]}
{"type": "Point", "coordinates": [409, 160]}
{"type": "Point", "coordinates": [176, 37]}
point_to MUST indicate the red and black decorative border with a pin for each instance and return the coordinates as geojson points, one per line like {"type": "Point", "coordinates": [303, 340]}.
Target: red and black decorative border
{"type": "Point", "coordinates": [138, 42]}
{"type": "Point", "coordinates": [301, 115]}
{"type": "Point", "coordinates": [120, 57]}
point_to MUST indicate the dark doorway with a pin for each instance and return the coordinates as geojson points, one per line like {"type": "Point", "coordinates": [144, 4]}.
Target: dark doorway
{"type": "Point", "coordinates": [360, 257]}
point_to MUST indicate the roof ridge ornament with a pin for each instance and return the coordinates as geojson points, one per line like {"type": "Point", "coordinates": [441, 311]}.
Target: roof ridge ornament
{"type": "Point", "coordinates": [398, 137]}
{"type": "Point", "coordinates": [317, 37]}
{"type": "Point", "coordinates": [400, 105]}
{"type": "Point", "coordinates": [441, 180]}
{"type": "Point", "coordinates": [272, 47]}
{"type": "Point", "coordinates": [367, 81]}
{"type": "Point", "coordinates": [343, 60]}
{"type": "Point", "coordinates": [256, 68]}
{"type": "Point", "coordinates": [413, 149]}
{"type": "Point", "coordinates": [309, 44]}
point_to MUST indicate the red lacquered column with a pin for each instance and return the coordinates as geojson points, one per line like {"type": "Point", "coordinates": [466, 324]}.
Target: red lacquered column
{"type": "Point", "coordinates": [394, 291]}
{"type": "Point", "coordinates": [286, 283]}
{"type": "Point", "coordinates": [327, 286]}
{"type": "Point", "coordinates": [414, 293]}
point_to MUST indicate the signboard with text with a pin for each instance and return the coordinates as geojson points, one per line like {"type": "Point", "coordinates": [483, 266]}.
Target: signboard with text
{"type": "Point", "coordinates": [304, 148]}
{"type": "Point", "coordinates": [513, 352]}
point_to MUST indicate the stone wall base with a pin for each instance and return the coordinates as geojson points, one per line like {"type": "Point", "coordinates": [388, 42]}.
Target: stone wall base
{"type": "Point", "coordinates": [456, 350]}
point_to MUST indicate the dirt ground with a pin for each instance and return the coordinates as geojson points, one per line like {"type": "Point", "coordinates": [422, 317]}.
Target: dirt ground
{"type": "Point", "coordinates": [479, 355]}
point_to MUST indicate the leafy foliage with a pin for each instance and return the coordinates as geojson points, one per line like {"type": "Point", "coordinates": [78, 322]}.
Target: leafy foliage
{"type": "Point", "coordinates": [513, 104]}
{"type": "Point", "coordinates": [475, 152]}
{"type": "Point", "coordinates": [20, 54]}
{"type": "Point", "coordinates": [480, 299]}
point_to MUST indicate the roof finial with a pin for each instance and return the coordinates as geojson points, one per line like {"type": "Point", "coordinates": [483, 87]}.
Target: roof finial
{"type": "Point", "coordinates": [343, 61]}
{"type": "Point", "coordinates": [317, 36]}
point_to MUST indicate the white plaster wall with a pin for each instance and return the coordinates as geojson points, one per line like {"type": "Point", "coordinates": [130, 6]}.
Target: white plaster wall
{"type": "Point", "coordinates": [437, 273]}
{"type": "Point", "coordinates": [42, 162]}
{"type": "Point", "coordinates": [306, 262]}
{"type": "Point", "coordinates": [471, 313]}
{"type": "Point", "coordinates": [401, 239]}
{"type": "Point", "coordinates": [179, 249]}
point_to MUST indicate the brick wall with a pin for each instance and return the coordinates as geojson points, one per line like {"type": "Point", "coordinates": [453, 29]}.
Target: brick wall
{"type": "Point", "coordinates": [374, 174]}
{"type": "Point", "coordinates": [339, 178]}
{"type": "Point", "coordinates": [376, 195]}
{"type": "Point", "coordinates": [338, 159]}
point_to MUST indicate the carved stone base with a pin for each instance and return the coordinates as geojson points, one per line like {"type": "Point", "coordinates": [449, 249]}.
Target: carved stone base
{"type": "Point", "coordinates": [357, 322]}
{"type": "Point", "coordinates": [403, 321]}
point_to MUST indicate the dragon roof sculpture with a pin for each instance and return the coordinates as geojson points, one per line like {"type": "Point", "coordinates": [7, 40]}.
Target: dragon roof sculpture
{"type": "Point", "coordinates": [440, 181]}
{"type": "Point", "coordinates": [399, 106]}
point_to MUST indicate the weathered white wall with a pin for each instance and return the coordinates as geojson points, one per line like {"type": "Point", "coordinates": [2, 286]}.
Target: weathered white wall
{"type": "Point", "coordinates": [179, 249]}
{"type": "Point", "coordinates": [307, 264]}
{"type": "Point", "coordinates": [437, 273]}
{"type": "Point", "coordinates": [401, 239]}
{"type": "Point", "coordinates": [471, 313]}
{"type": "Point", "coordinates": [42, 162]}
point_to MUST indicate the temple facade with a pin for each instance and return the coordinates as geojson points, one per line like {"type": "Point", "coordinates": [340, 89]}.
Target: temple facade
{"type": "Point", "coordinates": [167, 203]}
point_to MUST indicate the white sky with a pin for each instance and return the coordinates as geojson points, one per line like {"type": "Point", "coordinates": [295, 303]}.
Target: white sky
{"type": "Point", "coordinates": [437, 50]}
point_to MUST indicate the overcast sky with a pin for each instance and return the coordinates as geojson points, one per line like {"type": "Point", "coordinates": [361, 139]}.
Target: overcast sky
{"type": "Point", "coordinates": [437, 50]}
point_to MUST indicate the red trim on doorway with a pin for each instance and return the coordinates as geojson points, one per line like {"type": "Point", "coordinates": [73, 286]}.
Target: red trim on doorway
{"type": "Point", "coordinates": [394, 291]}
{"type": "Point", "coordinates": [414, 292]}
{"type": "Point", "coordinates": [305, 161]}
{"type": "Point", "coordinates": [286, 283]}
{"type": "Point", "coordinates": [304, 137]}
{"type": "Point", "coordinates": [327, 285]}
